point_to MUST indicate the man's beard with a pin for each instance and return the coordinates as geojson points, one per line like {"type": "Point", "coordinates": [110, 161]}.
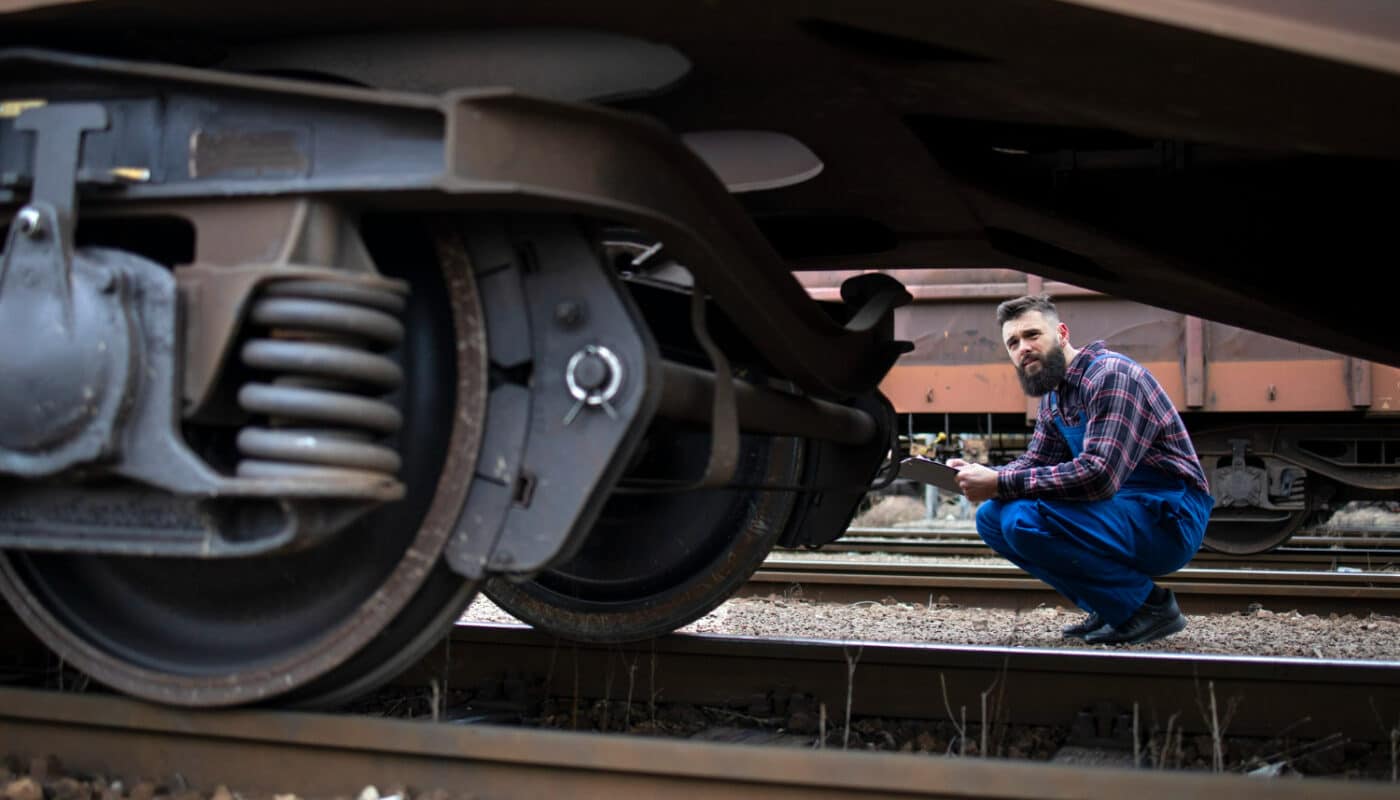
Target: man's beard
{"type": "Point", "coordinates": [1052, 371]}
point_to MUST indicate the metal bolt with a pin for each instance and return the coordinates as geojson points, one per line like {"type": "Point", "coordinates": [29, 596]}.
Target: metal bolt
{"type": "Point", "coordinates": [591, 372]}
{"type": "Point", "coordinates": [568, 314]}
{"type": "Point", "coordinates": [30, 223]}
{"type": "Point", "coordinates": [593, 375]}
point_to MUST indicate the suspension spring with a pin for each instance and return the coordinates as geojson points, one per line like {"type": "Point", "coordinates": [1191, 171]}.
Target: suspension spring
{"type": "Point", "coordinates": [322, 350]}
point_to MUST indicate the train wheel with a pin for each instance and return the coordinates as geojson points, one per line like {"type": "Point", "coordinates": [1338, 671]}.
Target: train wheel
{"type": "Point", "coordinates": [313, 627]}
{"type": "Point", "coordinates": [656, 562]}
{"type": "Point", "coordinates": [1251, 531]}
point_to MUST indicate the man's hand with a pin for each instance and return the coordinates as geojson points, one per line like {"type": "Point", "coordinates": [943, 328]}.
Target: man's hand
{"type": "Point", "coordinates": [977, 482]}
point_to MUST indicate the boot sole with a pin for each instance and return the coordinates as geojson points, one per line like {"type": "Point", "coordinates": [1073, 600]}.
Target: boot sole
{"type": "Point", "coordinates": [1081, 634]}
{"type": "Point", "coordinates": [1167, 627]}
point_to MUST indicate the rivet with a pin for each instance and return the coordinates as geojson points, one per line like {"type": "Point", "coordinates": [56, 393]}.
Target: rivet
{"type": "Point", "coordinates": [30, 222]}
{"type": "Point", "coordinates": [568, 314]}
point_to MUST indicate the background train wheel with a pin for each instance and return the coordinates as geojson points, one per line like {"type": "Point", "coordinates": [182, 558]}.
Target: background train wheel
{"type": "Point", "coordinates": [312, 627]}
{"type": "Point", "coordinates": [1251, 531]}
{"type": "Point", "coordinates": [656, 562]}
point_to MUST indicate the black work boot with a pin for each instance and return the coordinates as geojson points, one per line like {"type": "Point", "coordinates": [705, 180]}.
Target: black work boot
{"type": "Point", "coordinates": [1085, 626]}
{"type": "Point", "coordinates": [1151, 621]}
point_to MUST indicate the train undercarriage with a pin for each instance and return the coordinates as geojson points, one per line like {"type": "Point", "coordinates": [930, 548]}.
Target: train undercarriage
{"type": "Point", "coordinates": [274, 425]}
{"type": "Point", "coordinates": [308, 341]}
{"type": "Point", "coordinates": [1271, 480]}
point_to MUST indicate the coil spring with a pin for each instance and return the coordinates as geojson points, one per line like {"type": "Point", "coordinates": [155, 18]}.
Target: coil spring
{"type": "Point", "coordinates": [1295, 485]}
{"type": "Point", "coordinates": [325, 404]}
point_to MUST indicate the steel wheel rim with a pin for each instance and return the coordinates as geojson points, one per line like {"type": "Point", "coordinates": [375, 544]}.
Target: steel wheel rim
{"type": "Point", "coordinates": [565, 602]}
{"type": "Point", "coordinates": [1249, 536]}
{"type": "Point", "coordinates": [337, 626]}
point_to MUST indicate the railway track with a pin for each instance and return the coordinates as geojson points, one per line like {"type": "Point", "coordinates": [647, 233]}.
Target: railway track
{"type": "Point", "coordinates": [1316, 551]}
{"type": "Point", "coordinates": [1006, 586]}
{"type": "Point", "coordinates": [1314, 575]}
{"type": "Point", "coordinates": [1385, 538]}
{"type": "Point", "coordinates": [1310, 697]}
{"type": "Point", "coordinates": [1314, 558]}
{"type": "Point", "coordinates": [313, 755]}
{"type": "Point", "coordinates": [1091, 695]}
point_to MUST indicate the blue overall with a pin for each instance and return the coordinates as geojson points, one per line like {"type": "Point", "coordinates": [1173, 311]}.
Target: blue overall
{"type": "Point", "coordinates": [1101, 554]}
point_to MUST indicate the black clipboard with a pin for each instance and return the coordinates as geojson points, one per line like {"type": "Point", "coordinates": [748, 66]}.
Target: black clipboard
{"type": "Point", "coordinates": [926, 470]}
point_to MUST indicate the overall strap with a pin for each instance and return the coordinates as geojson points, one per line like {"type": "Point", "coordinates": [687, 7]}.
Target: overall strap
{"type": "Point", "coordinates": [1142, 475]}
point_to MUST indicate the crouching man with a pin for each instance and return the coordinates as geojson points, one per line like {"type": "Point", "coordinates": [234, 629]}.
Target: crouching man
{"type": "Point", "coordinates": [1108, 494]}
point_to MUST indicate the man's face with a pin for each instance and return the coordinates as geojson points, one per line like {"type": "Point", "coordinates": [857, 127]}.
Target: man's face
{"type": "Point", "coordinates": [1036, 346]}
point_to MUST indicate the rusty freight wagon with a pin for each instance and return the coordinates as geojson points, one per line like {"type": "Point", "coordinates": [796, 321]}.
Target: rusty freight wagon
{"type": "Point", "coordinates": [1285, 431]}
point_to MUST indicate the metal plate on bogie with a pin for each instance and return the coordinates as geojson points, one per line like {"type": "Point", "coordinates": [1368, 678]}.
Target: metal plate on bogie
{"type": "Point", "coordinates": [553, 447]}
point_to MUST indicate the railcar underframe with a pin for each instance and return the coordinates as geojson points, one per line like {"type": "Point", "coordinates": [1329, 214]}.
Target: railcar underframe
{"type": "Point", "coordinates": [399, 360]}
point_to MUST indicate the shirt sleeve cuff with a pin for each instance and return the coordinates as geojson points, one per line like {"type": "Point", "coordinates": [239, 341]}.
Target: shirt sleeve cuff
{"type": "Point", "coordinates": [1010, 484]}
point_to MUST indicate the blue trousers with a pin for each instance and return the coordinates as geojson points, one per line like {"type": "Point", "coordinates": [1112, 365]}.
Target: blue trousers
{"type": "Point", "coordinates": [1101, 554]}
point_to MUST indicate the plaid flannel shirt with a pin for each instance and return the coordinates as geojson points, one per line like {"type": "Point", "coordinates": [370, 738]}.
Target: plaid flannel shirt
{"type": "Point", "coordinates": [1131, 421]}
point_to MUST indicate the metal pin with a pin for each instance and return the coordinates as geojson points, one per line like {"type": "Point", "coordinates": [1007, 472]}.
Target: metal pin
{"type": "Point", "coordinates": [645, 254]}
{"type": "Point", "coordinates": [573, 413]}
{"type": "Point", "coordinates": [30, 222]}
{"type": "Point", "coordinates": [130, 174]}
{"type": "Point", "coordinates": [10, 109]}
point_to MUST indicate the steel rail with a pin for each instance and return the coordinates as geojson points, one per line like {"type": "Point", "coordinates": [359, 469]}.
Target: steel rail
{"type": "Point", "coordinates": [1004, 585]}
{"type": "Point", "coordinates": [1314, 558]}
{"type": "Point", "coordinates": [323, 755]}
{"type": "Point", "coordinates": [1375, 540]}
{"type": "Point", "coordinates": [1353, 536]}
{"type": "Point", "coordinates": [1380, 538]}
{"type": "Point", "coordinates": [1041, 686]}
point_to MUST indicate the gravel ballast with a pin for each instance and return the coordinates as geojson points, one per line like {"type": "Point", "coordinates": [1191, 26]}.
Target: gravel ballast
{"type": "Point", "coordinates": [1263, 632]}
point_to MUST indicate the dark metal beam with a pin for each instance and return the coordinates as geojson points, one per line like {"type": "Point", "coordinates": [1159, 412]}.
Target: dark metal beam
{"type": "Point", "coordinates": [687, 392]}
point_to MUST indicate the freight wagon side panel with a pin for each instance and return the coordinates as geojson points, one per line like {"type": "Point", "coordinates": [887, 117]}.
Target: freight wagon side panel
{"type": "Point", "coordinates": [959, 365]}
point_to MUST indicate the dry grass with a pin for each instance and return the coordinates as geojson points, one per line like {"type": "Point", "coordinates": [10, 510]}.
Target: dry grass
{"type": "Point", "coordinates": [1366, 515]}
